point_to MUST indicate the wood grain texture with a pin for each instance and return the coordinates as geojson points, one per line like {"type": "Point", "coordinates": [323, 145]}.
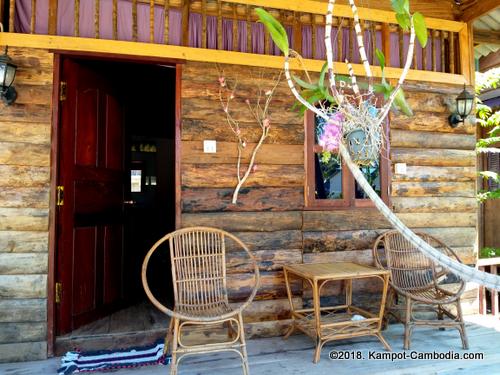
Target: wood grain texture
{"type": "Point", "coordinates": [25, 351]}
{"type": "Point", "coordinates": [434, 157]}
{"type": "Point", "coordinates": [23, 263]}
{"type": "Point", "coordinates": [24, 154]}
{"type": "Point", "coordinates": [23, 242]}
{"type": "Point", "coordinates": [23, 286]}
{"type": "Point", "coordinates": [24, 219]}
{"type": "Point", "coordinates": [434, 204]}
{"type": "Point", "coordinates": [28, 133]}
{"type": "Point", "coordinates": [249, 199]}
{"type": "Point", "coordinates": [268, 260]}
{"type": "Point", "coordinates": [434, 189]}
{"type": "Point", "coordinates": [227, 153]}
{"type": "Point", "coordinates": [34, 197]}
{"type": "Point", "coordinates": [224, 175]}
{"type": "Point", "coordinates": [339, 241]}
{"type": "Point", "coordinates": [338, 220]}
{"type": "Point", "coordinates": [272, 286]}
{"type": "Point", "coordinates": [25, 176]}
{"type": "Point", "coordinates": [418, 139]}
{"type": "Point", "coordinates": [418, 173]}
{"type": "Point", "coordinates": [246, 221]}
{"type": "Point", "coordinates": [22, 332]}
{"type": "Point", "coordinates": [269, 310]}
{"type": "Point", "coordinates": [288, 239]}
{"type": "Point", "coordinates": [430, 121]}
{"type": "Point", "coordinates": [23, 310]}
{"type": "Point", "coordinates": [22, 113]}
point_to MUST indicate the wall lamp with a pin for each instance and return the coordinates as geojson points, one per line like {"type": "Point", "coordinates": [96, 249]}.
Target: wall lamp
{"type": "Point", "coordinates": [465, 102]}
{"type": "Point", "coordinates": [7, 74]}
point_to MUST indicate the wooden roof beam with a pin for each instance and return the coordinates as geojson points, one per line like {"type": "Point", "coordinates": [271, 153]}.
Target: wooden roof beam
{"type": "Point", "coordinates": [478, 9]}
{"type": "Point", "coordinates": [486, 37]}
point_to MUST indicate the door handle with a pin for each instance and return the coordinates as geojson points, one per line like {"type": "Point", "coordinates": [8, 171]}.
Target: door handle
{"type": "Point", "coordinates": [129, 203]}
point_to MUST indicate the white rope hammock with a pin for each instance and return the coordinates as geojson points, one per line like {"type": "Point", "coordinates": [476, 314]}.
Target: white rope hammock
{"type": "Point", "coordinates": [463, 271]}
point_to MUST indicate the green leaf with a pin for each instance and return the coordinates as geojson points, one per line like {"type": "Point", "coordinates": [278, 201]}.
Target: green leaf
{"type": "Point", "coordinates": [488, 174]}
{"type": "Point", "coordinates": [420, 28]}
{"type": "Point", "coordinates": [401, 103]}
{"type": "Point", "coordinates": [495, 132]}
{"type": "Point", "coordinates": [276, 30]}
{"type": "Point", "coordinates": [401, 6]}
{"type": "Point", "coordinates": [321, 82]}
{"type": "Point", "coordinates": [381, 58]}
{"type": "Point", "coordinates": [304, 84]}
{"type": "Point", "coordinates": [404, 21]}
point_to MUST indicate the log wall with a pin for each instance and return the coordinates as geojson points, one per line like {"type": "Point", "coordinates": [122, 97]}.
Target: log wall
{"type": "Point", "coordinates": [24, 208]}
{"type": "Point", "coordinates": [436, 195]}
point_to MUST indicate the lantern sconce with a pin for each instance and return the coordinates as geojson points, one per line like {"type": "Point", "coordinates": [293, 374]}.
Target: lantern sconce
{"type": "Point", "coordinates": [464, 104]}
{"type": "Point", "coordinates": [7, 74]}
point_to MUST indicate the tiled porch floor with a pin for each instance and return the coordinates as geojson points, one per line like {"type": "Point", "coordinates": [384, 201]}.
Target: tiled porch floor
{"type": "Point", "coordinates": [278, 357]}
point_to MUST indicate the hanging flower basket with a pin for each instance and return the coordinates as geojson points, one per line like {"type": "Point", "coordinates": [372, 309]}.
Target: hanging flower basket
{"type": "Point", "coordinates": [362, 147]}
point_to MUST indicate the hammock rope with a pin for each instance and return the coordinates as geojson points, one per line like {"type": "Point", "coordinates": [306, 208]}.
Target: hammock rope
{"type": "Point", "coordinates": [462, 271]}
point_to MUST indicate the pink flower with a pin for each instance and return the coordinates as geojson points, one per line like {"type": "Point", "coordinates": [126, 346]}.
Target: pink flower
{"type": "Point", "coordinates": [332, 132]}
{"type": "Point", "coordinates": [254, 168]}
{"type": "Point", "coordinates": [222, 81]}
{"type": "Point", "coordinates": [266, 123]}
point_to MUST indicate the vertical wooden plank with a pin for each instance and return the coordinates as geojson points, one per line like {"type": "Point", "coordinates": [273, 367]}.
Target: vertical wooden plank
{"type": "Point", "coordinates": [134, 20]}
{"type": "Point", "coordinates": [219, 24]}
{"type": "Point", "coordinates": [97, 14]}
{"type": "Point", "coordinates": [203, 23]}
{"type": "Point", "coordinates": [340, 39]}
{"type": "Point", "coordinates": [451, 41]}
{"type": "Point", "coordinates": [115, 19]}
{"type": "Point", "coordinates": [433, 51]}
{"type": "Point", "coordinates": [373, 33]}
{"type": "Point", "coordinates": [352, 37]}
{"type": "Point", "coordinates": [415, 63]}
{"type": "Point", "coordinates": [235, 28]}
{"type": "Point", "coordinates": [443, 57]}
{"type": "Point", "coordinates": [424, 53]}
{"type": "Point", "coordinates": [152, 21]}
{"type": "Point", "coordinates": [77, 18]}
{"type": "Point", "coordinates": [386, 43]}
{"type": "Point", "coordinates": [297, 33]}
{"type": "Point", "coordinates": [185, 22]}
{"type": "Point", "coordinates": [249, 29]}
{"type": "Point", "coordinates": [178, 127]}
{"type": "Point", "coordinates": [166, 20]}
{"type": "Point", "coordinates": [33, 17]}
{"type": "Point", "coordinates": [53, 17]}
{"type": "Point", "coordinates": [313, 33]}
{"type": "Point", "coordinates": [466, 58]}
{"type": "Point", "coordinates": [12, 11]}
{"type": "Point", "coordinates": [401, 47]}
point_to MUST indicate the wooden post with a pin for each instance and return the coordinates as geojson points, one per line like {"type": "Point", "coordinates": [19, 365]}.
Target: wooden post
{"type": "Point", "coordinates": [76, 31]}
{"type": "Point", "coordinates": [373, 33]}
{"type": "Point", "coordinates": [386, 43]}
{"type": "Point", "coordinates": [33, 16]}
{"type": "Point", "coordinates": [433, 51]}
{"type": "Point", "coordinates": [451, 40]}
{"type": "Point", "coordinates": [235, 28]}
{"type": "Point", "coordinates": [340, 39]}
{"type": "Point", "coordinates": [115, 19]}
{"type": "Point", "coordinates": [297, 33]}
{"type": "Point", "coordinates": [96, 18]}
{"type": "Point", "coordinates": [249, 29]}
{"type": "Point", "coordinates": [152, 21]}
{"type": "Point", "coordinates": [166, 19]}
{"type": "Point", "coordinates": [185, 22]}
{"type": "Point", "coordinates": [443, 58]}
{"type": "Point", "coordinates": [424, 53]}
{"type": "Point", "coordinates": [219, 24]}
{"type": "Point", "coordinates": [465, 42]}
{"type": "Point", "coordinates": [12, 12]}
{"type": "Point", "coordinates": [313, 34]}
{"type": "Point", "coordinates": [52, 17]}
{"type": "Point", "coordinates": [352, 37]}
{"type": "Point", "coordinates": [134, 20]}
{"type": "Point", "coordinates": [203, 23]}
{"type": "Point", "coordinates": [401, 48]}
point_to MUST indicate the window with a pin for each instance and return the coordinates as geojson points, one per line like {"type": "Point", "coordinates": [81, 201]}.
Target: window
{"type": "Point", "coordinates": [329, 183]}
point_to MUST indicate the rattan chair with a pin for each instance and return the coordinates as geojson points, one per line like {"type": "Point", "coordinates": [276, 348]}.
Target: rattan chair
{"type": "Point", "coordinates": [421, 282]}
{"type": "Point", "coordinates": [198, 260]}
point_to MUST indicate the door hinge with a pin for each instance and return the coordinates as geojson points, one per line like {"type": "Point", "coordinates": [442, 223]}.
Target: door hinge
{"type": "Point", "coordinates": [60, 196]}
{"type": "Point", "coordinates": [58, 292]}
{"type": "Point", "coordinates": [62, 91]}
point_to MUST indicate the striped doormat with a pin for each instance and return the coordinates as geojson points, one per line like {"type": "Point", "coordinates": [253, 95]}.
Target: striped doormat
{"type": "Point", "coordinates": [74, 362]}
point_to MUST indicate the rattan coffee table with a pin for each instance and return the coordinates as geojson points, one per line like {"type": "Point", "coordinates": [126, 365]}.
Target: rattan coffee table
{"type": "Point", "coordinates": [328, 323]}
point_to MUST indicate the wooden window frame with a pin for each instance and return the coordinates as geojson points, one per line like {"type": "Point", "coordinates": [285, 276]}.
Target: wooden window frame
{"type": "Point", "coordinates": [348, 183]}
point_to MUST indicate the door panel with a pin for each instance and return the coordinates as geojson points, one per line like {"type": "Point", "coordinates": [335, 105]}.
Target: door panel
{"type": "Point", "coordinates": [90, 223]}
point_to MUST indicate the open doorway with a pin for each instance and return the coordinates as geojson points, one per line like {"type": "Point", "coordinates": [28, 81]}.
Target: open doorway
{"type": "Point", "coordinates": [116, 197]}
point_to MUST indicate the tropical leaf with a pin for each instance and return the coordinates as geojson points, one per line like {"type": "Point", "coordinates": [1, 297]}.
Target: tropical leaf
{"type": "Point", "coordinates": [401, 103]}
{"type": "Point", "coordinates": [420, 28]}
{"type": "Point", "coordinates": [276, 30]}
{"type": "Point", "coordinates": [401, 6]}
{"type": "Point", "coordinates": [381, 59]}
{"type": "Point", "coordinates": [304, 84]}
{"type": "Point", "coordinates": [404, 20]}
{"type": "Point", "coordinates": [495, 132]}
{"type": "Point", "coordinates": [486, 142]}
{"type": "Point", "coordinates": [322, 74]}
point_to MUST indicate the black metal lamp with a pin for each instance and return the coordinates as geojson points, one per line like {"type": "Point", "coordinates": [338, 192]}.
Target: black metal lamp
{"type": "Point", "coordinates": [465, 102]}
{"type": "Point", "coordinates": [7, 74]}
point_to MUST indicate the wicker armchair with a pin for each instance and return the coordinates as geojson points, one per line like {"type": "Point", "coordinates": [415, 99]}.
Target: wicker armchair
{"type": "Point", "coordinates": [198, 262]}
{"type": "Point", "coordinates": [420, 281]}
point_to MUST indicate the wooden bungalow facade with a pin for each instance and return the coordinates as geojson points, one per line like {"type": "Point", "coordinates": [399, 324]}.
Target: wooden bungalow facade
{"type": "Point", "coordinates": [272, 216]}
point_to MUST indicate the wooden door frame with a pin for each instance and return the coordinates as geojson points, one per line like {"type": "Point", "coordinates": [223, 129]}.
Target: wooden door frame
{"type": "Point", "coordinates": [54, 164]}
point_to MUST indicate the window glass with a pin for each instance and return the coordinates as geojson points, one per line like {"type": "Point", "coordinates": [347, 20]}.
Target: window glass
{"type": "Point", "coordinates": [372, 175]}
{"type": "Point", "coordinates": [328, 176]}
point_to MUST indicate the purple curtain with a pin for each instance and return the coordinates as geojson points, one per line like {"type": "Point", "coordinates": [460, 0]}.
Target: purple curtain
{"type": "Point", "coordinates": [307, 42]}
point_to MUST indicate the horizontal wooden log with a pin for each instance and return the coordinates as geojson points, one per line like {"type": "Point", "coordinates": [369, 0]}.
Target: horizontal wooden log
{"type": "Point", "coordinates": [22, 241]}
{"type": "Point", "coordinates": [227, 153]}
{"type": "Point", "coordinates": [431, 122]}
{"type": "Point", "coordinates": [199, 130]}
{"type": "Point", "coordinates": [31, 113]}
{"type": "Point", "coordinates": [266, 310]}
{"type": "Point", "coordinates": [33, 58]}
{"type": "Point", "coordinates": [433, 189]}
{"type": "Point", "coordinates": [246, 221]}
{"type": "Point", "coordinates": [22, 332]}
{"type": "Point", "coordinates": [25, 351]}
{"type": "Point", "coordinates": [25, 286]}
{"type": "Point", "coordinates": [206, 73]}
{"type": "Point", "coordinates": [350, 220]}
{"type": "Point", "coordinates": [364, 257]}
{"type": "Point", "coordinates": [23, 310]}
{"type": "Point", "coordinates": [419, 139]}
{"type": "Point", "coordinates": [20, 219]}
{"type": "Point", "coordinates": [434, 204]}
{"type": "Point", "coordinates": [26, 176]}
{"type": "Point", "coordinates": [272, 328]}
{"type": "Point", "coordinates": [340, 241]}
{"type": "Point", "coordinates": [222, 175]}
{"type": "Point", "coordinates": [34, 197]}
{"type": "Point", "coordinates": [23, 263]}
{"type": "Point", "coordinates": [34, 94]}
{"type": "Point", "coordinates": [26, 133]}
{"type": "Point", "coordinates": [423, 101]}
{"type": "Point", "coordinates": [454, 237]}
{"type": "Point", "coordinates": [426, 173]}
{"type": "Point", "coordinates": [268, 260]}
{"type": "Point", "coordinates": [24, 154]}
{"type": "Point", "coordinates": [249, 199]}
{"type": "Point", "coordinates": [205, 108]}
{"type": "Point", "coordinates": [287, 239]}
{"type": "Point", "coordinates": [438, 219]}
{"type": "Point", "coordinates": [272, 286]}
{"type": "Point", "coordinates": [434, 157]}
{"type": "Point", "coordinates": [27, 75]}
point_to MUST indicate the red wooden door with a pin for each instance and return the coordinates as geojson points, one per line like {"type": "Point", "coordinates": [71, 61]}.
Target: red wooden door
{"type": "Point", "coordinates": [90, 221]}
